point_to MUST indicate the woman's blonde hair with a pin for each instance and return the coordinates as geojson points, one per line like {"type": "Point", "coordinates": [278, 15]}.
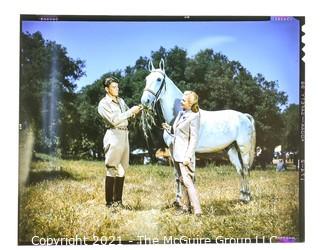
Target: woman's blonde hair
{"type": "Point", "coordinates": [193, 98]}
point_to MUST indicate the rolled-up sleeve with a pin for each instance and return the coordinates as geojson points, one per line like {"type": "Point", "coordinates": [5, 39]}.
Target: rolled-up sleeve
{"type": "Point", "coordinates": [112, 118]}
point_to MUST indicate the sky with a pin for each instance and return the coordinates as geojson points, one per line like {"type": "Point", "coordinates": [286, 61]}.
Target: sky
{"type": "Point", "coordinates": [267, 47]}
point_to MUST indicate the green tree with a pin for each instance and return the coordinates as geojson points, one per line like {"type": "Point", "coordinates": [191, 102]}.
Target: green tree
{"type": "Point", "coordinates": [176, 63]}
{"type": "Point", "coordinates": [91, 126]}
{"type": "Point", "coordinates": [156, 56]}
{"type": "Point", "coordinates": [291, 138]}
{"type": "Point", "coordinates": [47, 86]}
{"type": "Point", "coordinates": [268, 113]}
{"type": "Point", "coordinates": [224, 84]}
{"type": "Point", "coordinates": [220, 83]}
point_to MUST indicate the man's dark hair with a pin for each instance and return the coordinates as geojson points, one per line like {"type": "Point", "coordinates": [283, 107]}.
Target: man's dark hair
{"type": "Point", "coordinates": [110, 80]}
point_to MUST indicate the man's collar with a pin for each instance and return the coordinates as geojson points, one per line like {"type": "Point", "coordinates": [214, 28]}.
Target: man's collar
{"type": "Point", "coordinates": [109, 99]}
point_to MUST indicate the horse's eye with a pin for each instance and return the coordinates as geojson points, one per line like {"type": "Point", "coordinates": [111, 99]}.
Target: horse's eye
{"type": "Point", "coordinates": [159, 79]}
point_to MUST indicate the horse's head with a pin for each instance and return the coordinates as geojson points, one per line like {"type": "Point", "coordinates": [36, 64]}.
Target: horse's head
{"type": "Point", "coordinates": [155, 83]}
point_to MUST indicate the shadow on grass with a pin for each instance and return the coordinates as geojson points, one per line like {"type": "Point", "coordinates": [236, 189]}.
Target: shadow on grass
{"type": "Point", "coordinates": [36, 158]}
{"type": "Point", "coordinates": [46, 175]}
{"type": "Point", "coordinates": [220, 207]}
{"type": "Point", "coordinates": [215, 208]}
{"type": "Point", "coordinates": [289, 168]}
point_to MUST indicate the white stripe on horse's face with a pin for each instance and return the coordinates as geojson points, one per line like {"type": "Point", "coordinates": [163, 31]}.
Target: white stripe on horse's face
{"type": "Point", "coordinates": [153, 83]}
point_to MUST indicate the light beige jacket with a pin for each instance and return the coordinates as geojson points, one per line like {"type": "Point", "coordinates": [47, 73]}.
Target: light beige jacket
{"type": "Point", "coordinates": [185, 130]}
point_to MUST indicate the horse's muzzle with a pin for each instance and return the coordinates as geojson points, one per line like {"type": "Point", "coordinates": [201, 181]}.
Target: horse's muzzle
{"type": "Point", "coordinates": [147, 99]}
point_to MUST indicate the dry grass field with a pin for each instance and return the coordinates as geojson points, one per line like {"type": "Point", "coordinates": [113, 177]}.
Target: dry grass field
{"type": "Point", "coordinates": [66, 199]}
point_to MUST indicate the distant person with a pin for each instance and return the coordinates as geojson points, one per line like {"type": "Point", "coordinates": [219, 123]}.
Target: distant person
{"type": "Point", "coordinates": [185, 132]}
{"type": "Point", "coordinates": [115, 113]}
{"type": "Point", "coordinates": [258, 151]}
{"type": "Point", "coordinates": [261, 158]}
{"type": "Point", "coordinates": [280, 166]}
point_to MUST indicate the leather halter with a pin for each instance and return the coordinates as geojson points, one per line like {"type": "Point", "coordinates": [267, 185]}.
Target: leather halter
{"type": "Point", "coordinates": [157, 94]}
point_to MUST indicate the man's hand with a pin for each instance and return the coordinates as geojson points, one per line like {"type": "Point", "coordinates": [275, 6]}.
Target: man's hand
{"type": "Point", "coordinates": [136, 109]}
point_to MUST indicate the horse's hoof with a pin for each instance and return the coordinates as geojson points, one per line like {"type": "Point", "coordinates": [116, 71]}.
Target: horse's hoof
{"type": "Point", "coordinates": [245, 199]}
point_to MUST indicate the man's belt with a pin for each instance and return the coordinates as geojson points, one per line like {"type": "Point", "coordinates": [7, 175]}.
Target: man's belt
{"type": "Point", "coordinates": [120, 128]}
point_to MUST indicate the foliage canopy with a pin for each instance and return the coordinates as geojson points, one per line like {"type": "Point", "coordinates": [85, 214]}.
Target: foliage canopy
{"type": "Point", "coordinates": [66, 122]}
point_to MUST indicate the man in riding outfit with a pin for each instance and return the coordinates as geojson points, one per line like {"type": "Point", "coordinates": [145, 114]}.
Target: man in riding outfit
{"type": "Point", "coordinates": [115, 113]}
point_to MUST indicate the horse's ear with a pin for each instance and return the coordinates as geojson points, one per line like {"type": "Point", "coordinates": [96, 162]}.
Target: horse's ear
{"type": "Point", "coordinates": [150, 66]}
{"type": "Point", "coordinates": [161, 64]}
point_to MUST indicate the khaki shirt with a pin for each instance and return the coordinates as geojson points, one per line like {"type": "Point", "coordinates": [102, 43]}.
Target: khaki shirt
{"type": "Point", "coordinates": [114, 114]}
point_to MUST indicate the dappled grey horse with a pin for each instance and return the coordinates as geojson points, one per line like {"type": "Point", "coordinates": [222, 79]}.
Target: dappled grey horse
{"type": "Point", "coordinates": [228, 130]}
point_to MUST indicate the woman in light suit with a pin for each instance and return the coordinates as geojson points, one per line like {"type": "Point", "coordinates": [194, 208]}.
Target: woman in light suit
{"type": "Point", "coordinates": [185, 132]}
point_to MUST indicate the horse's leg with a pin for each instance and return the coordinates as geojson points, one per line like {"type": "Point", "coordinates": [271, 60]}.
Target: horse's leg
{"type": "Point", "coordinates": [245, 190]}
{"type": "Point", "coordinates": [234, 157]}
{"type": "Point", "coordinates": [245, 155]}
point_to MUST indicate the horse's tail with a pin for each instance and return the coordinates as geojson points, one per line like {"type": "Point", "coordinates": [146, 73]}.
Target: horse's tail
{"type": "Point", "coordinates": [253, 139]}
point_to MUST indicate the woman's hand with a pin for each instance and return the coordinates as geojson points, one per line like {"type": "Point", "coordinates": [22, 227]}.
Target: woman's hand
{"type": "Point", "coordinates": [166, 126]}
{"type": "Point", "coordinates": [186, 162]}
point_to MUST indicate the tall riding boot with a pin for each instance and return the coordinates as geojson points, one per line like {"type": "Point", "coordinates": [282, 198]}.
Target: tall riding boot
{"type": "Point", "coordinates": [119, 181]}
{"type": "Point", "coordinates": [109, 187]}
